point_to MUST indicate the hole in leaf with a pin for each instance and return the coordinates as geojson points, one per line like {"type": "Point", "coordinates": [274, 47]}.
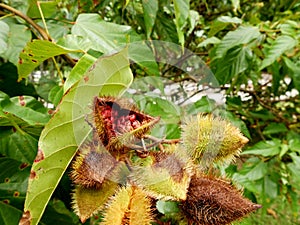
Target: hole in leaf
{"type": "Point", "coordinates": [23, 166]}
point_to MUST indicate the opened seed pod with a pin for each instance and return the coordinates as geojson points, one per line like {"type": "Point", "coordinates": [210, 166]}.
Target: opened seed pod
{"type": "Point", "coordinates": [119, 122]}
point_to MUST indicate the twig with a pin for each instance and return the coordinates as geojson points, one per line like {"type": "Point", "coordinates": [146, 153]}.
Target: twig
{"type": "Point", "coordinates": [162, 141]}
{"type": "Point", "coordinates": [40, 30]}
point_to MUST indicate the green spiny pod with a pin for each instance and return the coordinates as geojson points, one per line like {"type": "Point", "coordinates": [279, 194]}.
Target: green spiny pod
{"type": "Point", "coordinates": [211, 139]}
{"type": "Point", "coordinates": [129, 205]}
{"type": "Point", "coordinates": [88, 201]}
{"type": "Point", "coordinates": [168, 177]}
{"type": "Point", "coordinates": [213, 201]}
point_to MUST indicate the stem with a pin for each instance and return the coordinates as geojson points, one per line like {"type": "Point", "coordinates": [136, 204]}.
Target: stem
{"type": "Point", "coordinates": [43, 18]}
{"type": "Point", "coordinates": [16, 126]}
{"type": "Point", "coordinates": [58, 71]}
{"type": "Point", "coordinates": [40, 30]}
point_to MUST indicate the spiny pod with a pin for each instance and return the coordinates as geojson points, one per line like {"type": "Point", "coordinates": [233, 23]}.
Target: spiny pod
{"type": "Point", "coordinates": [129, 205]}
{"type": "Point", "coordinates": [213, 201]}
{"type": "Point", "coordinates": [211, 139]}
{"type": "Point", "coordinates": [167, 177]}
{"type": "Point", "coordinates": [93, 165]}
{"type": "Point", "coordinates": [119, 122]}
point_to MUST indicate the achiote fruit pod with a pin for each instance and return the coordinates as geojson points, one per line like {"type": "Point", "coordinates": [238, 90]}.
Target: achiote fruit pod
{"type": "Point", "coordinates": [212, 201]}
{"type": "Point", "coordinates": [167, 177]}
{"type": "Point", "coordinates": [211, 139]}
{"type": "Point", "coordinates": [118, 122]}
{"type": "Point", "coordinates": [129, 205]}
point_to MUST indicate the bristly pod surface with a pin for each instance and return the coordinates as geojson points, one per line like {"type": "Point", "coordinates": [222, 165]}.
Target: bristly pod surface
{"type": "Point", "coordinates": [89, 201]}
{"type": "Point", "coordinates": [93, 165]}
{"type": "Point", "coordinates": [119, 123]}
{"type": "Point", "coordinates": [97, 175]}
{"type": "Point", "coordinates": [129, 205]}
{"type": "Point", "coordinates": [167, 177]}
{"type": "Point", "coordinates": [208, 139]}
{"type": "Point", "coordinates": [213, 201]}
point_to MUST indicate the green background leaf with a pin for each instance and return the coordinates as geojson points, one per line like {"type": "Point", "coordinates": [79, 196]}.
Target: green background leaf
{"type": "Point", "coordinates": [280, 45]}
{"type": "Point", "coordinates": [35, 53]}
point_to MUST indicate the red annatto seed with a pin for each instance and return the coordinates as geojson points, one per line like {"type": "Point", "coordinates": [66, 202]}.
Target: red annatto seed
{"type": "Point", "coordinates": [132, 117]}
{"type": "Point", "coordinates": [136, 124]}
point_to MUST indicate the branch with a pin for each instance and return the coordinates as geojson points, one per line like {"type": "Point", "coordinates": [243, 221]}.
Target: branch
{"type": "Point", "coordinates": [40, 30]}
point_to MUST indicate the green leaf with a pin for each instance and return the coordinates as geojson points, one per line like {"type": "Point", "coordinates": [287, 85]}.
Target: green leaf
{"type": "Point", "coordinates": [56, 212]}
{"type": "Point", "coordinates": [9, 215]}
{"type": "Point", "coordinates": [221, 23]}
{"type": "Point", "coordinates": [262, 114]}
{"type": "Point", "coordinates": [108, 37]}
{"type": "Point", "coordinates": [35, 53]}
{"type": "Point", "coordinates": [71, 41]}
{"type": "Point", "coordinates": [258, 171]}
{"type": "Point", "coordinates": [211, 40]}
{"type": "Point", "coordinates": [55, 95]}
{"type": "Point", "coordinates": [234, 62]}
{"type": "Point", "coordinates": [18, 36]}
{"type": "Point", "coordinates": [275, 128]}
{"type": "Point", "coordinates": [4, 32]}
{"type": "Point", "coordinates": [182, 8]}
{"type": "Point", "coordinates": [165, 28]}
{"type": "Point", "coordinates": [13, 184]}
{"type": "Point", "coordinates": [270, 187]}
{"type": "Point", "coordinates": [204, 105]}
{"type": "Point", "coordinates": [78, 71]}
{"type": "Point", "coordinates": [235, 4]}
{"type": "Point", "coordinates": [29, 115]}
{"type": "Point", "coordinates": [48, 9]}
{"type": "Point", "coordinates": [278, 47]}
{"type": "Point", "coordinates": [19, 146]}
{"type": "Point", "coordinates": [110, 75]}
{"type": "Point", "coordinates": [167, 207]}
{"type": "Point", "coordinates": [45, 84]}
{"type": "Point", "coordinates": [13, 181]}
{"type": "Point", "coordinates": [150, 11]}
{"type": "Point", "coordinates": [9, 84]}
{"type": "Point", "coordinates": [241, 36]}
{"type": "Point", "coordinates": [294, 169]}
{"type": "Point", "coordinates": [294, 72]}
{"type": "Point", "coordinates": [294, 145]}
{"type": "Point", "coordinates": [264, 148]}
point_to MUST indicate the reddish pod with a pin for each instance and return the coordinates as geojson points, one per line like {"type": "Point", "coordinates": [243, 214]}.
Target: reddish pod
{"type": "Point", "coordinates": [118, 122]}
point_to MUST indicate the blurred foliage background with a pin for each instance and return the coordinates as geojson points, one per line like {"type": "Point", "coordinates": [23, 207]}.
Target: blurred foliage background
{"type": "Point", "coordinates": [252, 48]}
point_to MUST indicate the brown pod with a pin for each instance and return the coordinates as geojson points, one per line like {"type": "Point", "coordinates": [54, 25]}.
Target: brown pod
{"type": "Point", "coordinates": [92, 165]}
{"type": "Point", "coordinates": [212, 201]}
{"type": "Point", "coordinates": [118, 122]}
